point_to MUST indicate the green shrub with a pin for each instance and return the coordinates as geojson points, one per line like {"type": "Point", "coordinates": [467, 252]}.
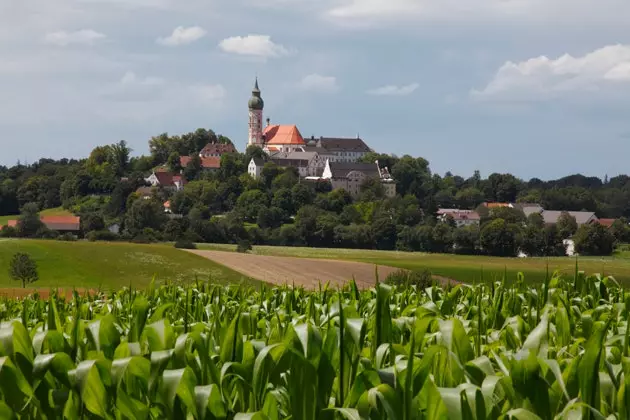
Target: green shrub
{"type": "Point", "coordinates": [243, 246]}
{"type": "Point", "coordinates": [8, 232]}
{"type": "Point", "coordinates": [185, 244]}
{"type": "Point", "coordinates": [102, 235]}
{"type": "Point", "coordinates": [421, 279]}
{"type": "Point", "coordinates": [69, 237]}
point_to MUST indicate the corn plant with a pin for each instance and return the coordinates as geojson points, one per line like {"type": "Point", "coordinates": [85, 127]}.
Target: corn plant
{"type": "Point", "coordinates": [489, 351]}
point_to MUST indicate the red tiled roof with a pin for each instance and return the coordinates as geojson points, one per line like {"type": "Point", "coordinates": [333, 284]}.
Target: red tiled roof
{"type": "Point", "coordinates": [56, 222]}
{"type": "Point", "coordinates": [282, 134]}
{"type": "Point", "coordinates": [217, 149]}
{"type": "Point", "coordinates": [62, 222]}
{"type": "Point", "coordinates": [463, 215]}
{"type": "Point", "coordinates": [606, 222]}
{"type": "Point", "coordinates": [164, 178]}
{"type": "Point", "coordinates": [212, 162]}
{"type": "Point", "coordinates": [496, 205]}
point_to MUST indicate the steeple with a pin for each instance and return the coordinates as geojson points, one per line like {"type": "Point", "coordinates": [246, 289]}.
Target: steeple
{"type": "Point", "coordinates": [256, 105]}
{"type": "Point", "coordinates": [256, 102]}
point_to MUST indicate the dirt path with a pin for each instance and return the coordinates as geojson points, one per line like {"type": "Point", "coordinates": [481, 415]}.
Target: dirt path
{"type": "Point", "coordinates": [305, 272]}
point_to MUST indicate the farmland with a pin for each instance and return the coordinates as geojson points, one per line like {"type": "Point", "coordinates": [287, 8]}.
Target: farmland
{"type": "Point", "coordinates": [305, 272]}
{"type": "Point", "coordinates": [224, 352]}
{"type": "Point", "coordinates": [111, 265]}
{"type": "Point", "coordinates": [463, 268]}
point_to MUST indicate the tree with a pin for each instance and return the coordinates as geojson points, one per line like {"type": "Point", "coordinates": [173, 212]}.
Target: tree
{"type": "Point", "coordinates": [466, 240]}
{"type": "Point", "coordinates": [29, 222]}
{"type": "Point", "coordinates": [119, 157]}
{"type": "Point", "coordinates": [174, 163]}
{"type": "Point", "coordinates": [23, 268]}
{"type": "Point", "coordinates": [594, 239]}
{"type": "Point", "coordinates": [500, 238]}
{"type": "Point", "coordinates": [567, 225]}
{"type": "Point", "coordinates": [193, 170]}
{"type": "Point", "coordinates": [144, 214]}
{"type": "Point", "coordinates": [621, 230]}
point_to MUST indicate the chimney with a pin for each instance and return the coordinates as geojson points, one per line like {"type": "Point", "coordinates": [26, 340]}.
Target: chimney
{"type": "Point", "coordinates": [268, 121]}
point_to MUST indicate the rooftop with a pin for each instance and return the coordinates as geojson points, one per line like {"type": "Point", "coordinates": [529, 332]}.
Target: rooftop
{"type": "Point", "coordinates": [581, 217]}
{"type": "Point", "coordinates": [282, 135]}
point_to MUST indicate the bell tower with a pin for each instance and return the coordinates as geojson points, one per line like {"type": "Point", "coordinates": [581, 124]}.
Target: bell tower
{"type": "Point", "coordinates": [255, 105]}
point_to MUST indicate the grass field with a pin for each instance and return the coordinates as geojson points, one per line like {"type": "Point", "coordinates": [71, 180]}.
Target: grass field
{"type": "Point", "coordinates": [464, 268]}
{"type": "Point", "coordinates": [57, 211]}
{"type": "Point", "coordinates": [110, 265]}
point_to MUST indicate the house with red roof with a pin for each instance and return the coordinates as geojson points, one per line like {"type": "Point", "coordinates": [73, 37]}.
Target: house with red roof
{"type": "Point", "coordinates": [61, 224]}
{"type": "Point", "coordinates": [211, 163]}
{"type": "Point", "coordinates": [166, 179]}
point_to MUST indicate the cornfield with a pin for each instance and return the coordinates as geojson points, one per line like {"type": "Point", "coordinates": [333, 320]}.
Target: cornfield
{"type": "Point", "coordinates": [558, 350]}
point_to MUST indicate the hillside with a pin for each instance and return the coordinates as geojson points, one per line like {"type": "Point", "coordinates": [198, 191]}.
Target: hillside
{"type": "Point", "coordinates": [110, 265]}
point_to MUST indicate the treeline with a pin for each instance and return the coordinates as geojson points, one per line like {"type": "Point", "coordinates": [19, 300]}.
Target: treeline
{"type": "Point", "coordinates": [229, 206]}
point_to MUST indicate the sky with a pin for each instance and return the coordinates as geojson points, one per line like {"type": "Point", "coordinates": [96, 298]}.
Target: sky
{"type": "Point", "coordinates": [537, 88]}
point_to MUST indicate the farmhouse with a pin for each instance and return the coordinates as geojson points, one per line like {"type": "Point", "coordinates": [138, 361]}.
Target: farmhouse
{"type": "Point", "coordinates": [461, 217]}
{"type": "Point", "coordinates": [581, 217]}
{"type": "Point", "coordinates": [168, 180]}
{"type": "Point", "coordinates": [210, 163]}
{"type": "Point", "coordinates": [62, 224]}
{"type": "Point", "coordinates": [350, 176]}
{"type": "Point", "coordinates": [216, 150]}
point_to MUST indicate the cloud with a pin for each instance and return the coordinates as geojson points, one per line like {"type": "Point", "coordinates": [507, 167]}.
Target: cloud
{"type": "Point", "coordinates": [253, 45]}
{"type": "Point", "coordinates": [542, 78]}
{"type": "Point", "coordinates": [393, 90]}
{"type": "Point", "coordinates": [130, 78]}
{"type": "Point", "coordinates": [209, 93]}
{"type": "Point", "coordinates": [183, 36]}
{"type": "Point", "coordinates": [366, 12]}
{"type": "Point", "coordinates": [319, 83]}
{"type": "Point", "coordinates": [81, 37]}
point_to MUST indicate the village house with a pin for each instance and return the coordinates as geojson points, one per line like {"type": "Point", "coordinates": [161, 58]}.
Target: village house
{"type": "Point", "coordinates": [307, 163]}
{"type": "Point", "coordinates": [210, 155]}
{"type": "Point", "coordinates": [216, 150]}
{"type": "Point", "coordinates": [211, 163]}
{"type": "Point", "coordinates": [581, 217]}
{"type": "Point", "coordinates": [350, 176]}
{"type": "Point", "coordinates": [61, 224]}
{"type": "Point", "coordinates": [254, 169]}
{"type": "Point", "coordinates": [338, 149]}
{"type": "Point", "coordinates": [167, 180]}
{"type": "Point", "coordinates": [461, 217]}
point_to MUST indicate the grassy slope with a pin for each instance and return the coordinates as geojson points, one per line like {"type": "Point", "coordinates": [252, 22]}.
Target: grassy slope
{"type": "Point", "coordinates": [110, 265]}
{"type": "Point", "coordinates": [460, 267]}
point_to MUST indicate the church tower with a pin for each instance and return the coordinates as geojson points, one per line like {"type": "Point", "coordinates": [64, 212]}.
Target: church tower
{"type": "Point", "coordinates": [256, 105]}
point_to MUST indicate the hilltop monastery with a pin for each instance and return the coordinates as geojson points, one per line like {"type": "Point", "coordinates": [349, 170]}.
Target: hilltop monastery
{"type": "Point", "coordinates": [332, 159]}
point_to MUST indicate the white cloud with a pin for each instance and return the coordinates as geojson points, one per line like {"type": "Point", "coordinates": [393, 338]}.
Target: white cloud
{"type": "Point", "coordinates": [81, 37]}
{"type": "Point", "coordinates": [393, 90]}
{"type": "Point", "coordinates": [365, 12]}
{"type": "Point", "coordinates": [253, 45]}
{"type": "Point", "coordinates": [130, 78]}
{"type": "Point", "coordinates": [543, 78]}
{"type": "Point", "coordinates": [209, 93]}
{"type": "Point", "coordinates": [183, 36]}
{"type": "Point", "coordinates": [319, 83]}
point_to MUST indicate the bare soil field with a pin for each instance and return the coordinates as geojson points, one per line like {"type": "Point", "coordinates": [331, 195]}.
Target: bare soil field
{"type": "Point", "coordinates": [305, 272]}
